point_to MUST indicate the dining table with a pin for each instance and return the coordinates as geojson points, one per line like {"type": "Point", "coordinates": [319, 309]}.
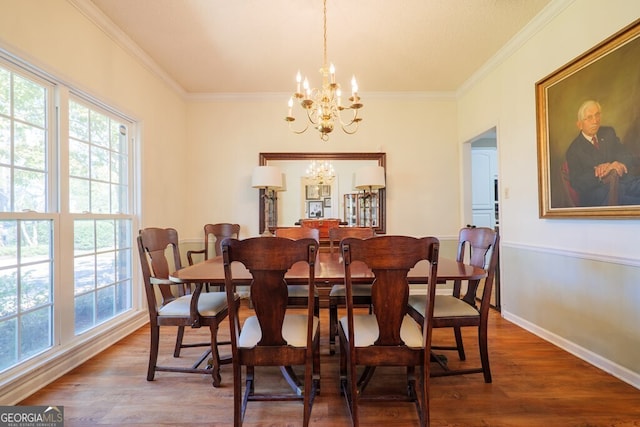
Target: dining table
{"type": "Point", "coordinates": [329, 271]}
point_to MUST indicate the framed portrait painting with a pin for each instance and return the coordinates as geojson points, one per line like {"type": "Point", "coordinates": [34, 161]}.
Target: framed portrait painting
{"type": "Point", "coordinates": [588, 131]}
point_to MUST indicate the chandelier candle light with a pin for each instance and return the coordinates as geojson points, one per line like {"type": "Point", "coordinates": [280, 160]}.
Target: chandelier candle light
{"type": "Point", "coordinates": [324, 106]}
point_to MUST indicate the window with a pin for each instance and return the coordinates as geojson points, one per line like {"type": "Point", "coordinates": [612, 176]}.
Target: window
{"type": "Point", "coordinates": [47, 197]}
{"type": "Point", "coordinates": [98, 184]}
{"type": "Point", "coordinates": [26, 230]}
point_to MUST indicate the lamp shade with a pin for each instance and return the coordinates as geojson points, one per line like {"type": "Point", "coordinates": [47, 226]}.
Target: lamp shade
{"type": "Point", "coordinates": [266, 176]}
{"type": "Point", "coordinates": [370, 177]}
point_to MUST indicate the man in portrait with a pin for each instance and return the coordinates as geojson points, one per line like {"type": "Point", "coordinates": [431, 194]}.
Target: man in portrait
{"type": "Point", "coordinates": [599, 165]}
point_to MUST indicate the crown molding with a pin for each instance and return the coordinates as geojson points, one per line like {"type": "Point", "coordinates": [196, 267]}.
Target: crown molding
{"type": "Point", "coordinates": [95, 15]}
{"type": "Point", "coordinates": [547, 14]}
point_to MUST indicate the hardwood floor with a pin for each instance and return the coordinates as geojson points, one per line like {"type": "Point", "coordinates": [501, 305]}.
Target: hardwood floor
{"type": "Point", "coordinates": [534, 384]}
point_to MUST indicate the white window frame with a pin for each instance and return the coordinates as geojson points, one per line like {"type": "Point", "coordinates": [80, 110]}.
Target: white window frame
{"type": "Point", "coordinates": [69, 349]}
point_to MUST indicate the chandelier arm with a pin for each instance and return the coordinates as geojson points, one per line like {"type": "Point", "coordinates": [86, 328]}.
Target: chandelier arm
{"type": "Point", "coordinates": [345, 130]}
{"type": "Point", "coordinates": [355, 119]}
{"type": "Point", "coordinates": [310, 117]}
{"type": "Point", "coordinates": [298, 131]}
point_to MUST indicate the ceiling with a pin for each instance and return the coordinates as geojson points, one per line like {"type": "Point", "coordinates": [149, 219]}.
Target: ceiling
{"type": "Point", "coordinates": [252, 46]}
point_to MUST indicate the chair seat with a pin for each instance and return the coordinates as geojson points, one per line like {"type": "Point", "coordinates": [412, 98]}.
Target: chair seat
{"type": "Point", "coordinates": [366, 330]}
{"type": "Point", "coordinates": [356, 290]}
{"type": "Point", "coordinates": [444, 306]}
{"type": "Point", "coordinates": [209, 305]}
{"type": "Point", "coordinates": [294, 330]}
{"type": "Point", "coordinates": [299, 291]}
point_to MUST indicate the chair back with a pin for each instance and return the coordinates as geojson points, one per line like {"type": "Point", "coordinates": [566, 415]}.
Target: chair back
{"type": "Point", "coordinates": [338, 233]}
{"type": "Point", "coordinates": [483, 250]}
{"type": "Point", "coordinates": [153, 244]}
{"type": "Point", "coordinates": [296, 233]}
{"type": "Point", "coordinates": [390, 258]}
{"type": "Point", "coordinates": [268, 259]}
{"type": "Point", "coordinates": [220, 231]}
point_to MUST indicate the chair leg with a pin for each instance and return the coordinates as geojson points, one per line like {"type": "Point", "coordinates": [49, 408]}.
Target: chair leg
{"type": "Point", "coordinates": [215, 356]}
{"type": "Point", "coordinates": [308, 389]}
{"type": "Point", "coordinates": [333, 324]}
{"type": "Point", "coordinates": [484, 354]}
{"type": "Point", "coordinates": [348, 379]}
{"type": "Point", "coordinates": [153, 351]}
{"type": "Point", "coordinates": [316, 364]}
{"type": "Point", "coordinates": [238, 412]}
{"type": "Point", "coordinates": [179, 337]}
{"type": "Point", "coordinates": [353, 392]}
{"type": "Point", "coordinates": [458, 333]}
{"type": "Point", "coordinates": [423, 396]}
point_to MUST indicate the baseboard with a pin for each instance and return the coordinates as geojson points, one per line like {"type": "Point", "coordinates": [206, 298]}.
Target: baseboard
{"type": "Point", "coordinates": [596, 360]}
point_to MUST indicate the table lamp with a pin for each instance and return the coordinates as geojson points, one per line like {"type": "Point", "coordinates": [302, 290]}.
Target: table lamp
{"type": "Point", "coordinates": [369, 179]}
{"type": "Point", "coordinates": [269, 179]}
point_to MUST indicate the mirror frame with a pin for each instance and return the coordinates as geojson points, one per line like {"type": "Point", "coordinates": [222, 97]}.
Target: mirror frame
{"type": "Point", "coordinates": [381, 158]}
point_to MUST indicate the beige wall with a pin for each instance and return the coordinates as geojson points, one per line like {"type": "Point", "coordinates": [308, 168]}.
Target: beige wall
{"type": "Point", "coordinates": [575, 282]}
{"type": "Point", "coordinates": [418, 135]}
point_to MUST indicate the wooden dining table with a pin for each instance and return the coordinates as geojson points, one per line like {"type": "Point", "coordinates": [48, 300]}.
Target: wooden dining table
{"type": "Point", "coordinates": [329, 270]}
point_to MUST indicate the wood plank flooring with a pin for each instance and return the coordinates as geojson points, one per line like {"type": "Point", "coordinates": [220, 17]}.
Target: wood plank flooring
{"type": "Point", "coordinates": [534, 384]}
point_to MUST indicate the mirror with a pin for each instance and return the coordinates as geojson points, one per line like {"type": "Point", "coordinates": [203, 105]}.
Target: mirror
{"type": "Point", "coordinates": [301, 197]}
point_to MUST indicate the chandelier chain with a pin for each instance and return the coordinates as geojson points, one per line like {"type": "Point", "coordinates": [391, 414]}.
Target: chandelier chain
{"type": "Point", "coordinates": [324, 59]}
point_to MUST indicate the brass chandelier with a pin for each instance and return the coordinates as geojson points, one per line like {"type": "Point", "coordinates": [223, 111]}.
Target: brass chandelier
{"type": "Point", "coordinates": [324, 106]}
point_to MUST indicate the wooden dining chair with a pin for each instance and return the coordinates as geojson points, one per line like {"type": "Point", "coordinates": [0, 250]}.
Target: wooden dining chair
{"type": "Point", "coordinates": [219, 231]}
{"type": "Point", "coordinates": [298, 295]}
{"type": "Point", "coordinates": [461, 310]}
{"type": "Point", "coordinates": [177, 306]}
{"type": "Point", "coordinates": [273, 336]}
{"type": "Point", "coordinates": [388, 336]}
{"type": "Point", "coordinates": [361, 292]}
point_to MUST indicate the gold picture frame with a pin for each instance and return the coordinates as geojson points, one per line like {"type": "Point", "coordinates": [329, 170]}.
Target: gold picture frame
{"type": "Point", "coordinates": [609, 73]}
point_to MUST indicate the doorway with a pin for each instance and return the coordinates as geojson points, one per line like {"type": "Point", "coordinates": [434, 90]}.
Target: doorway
{"type": "Point", "coordinates": [484, 190]}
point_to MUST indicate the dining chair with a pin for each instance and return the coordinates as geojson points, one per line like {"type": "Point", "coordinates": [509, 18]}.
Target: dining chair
{"type": "Point", "coordinates": [173, 304]}
{"type": "Point", "coordinates": [361, 292]}
{"type": "Point", "coordinates": [273, 336]}
{"type": "Point", "coordinates": [457, 310]}
{"type": "Point", "coordinates": [388, 336]}
{"type": "Point", "coordinates": [298, 295]}
{"type": "Point", "coordinates": [219, 231]}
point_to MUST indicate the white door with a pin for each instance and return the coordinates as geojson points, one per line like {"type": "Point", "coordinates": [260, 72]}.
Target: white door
{"type": "Point", "coordinates": [483, 176]}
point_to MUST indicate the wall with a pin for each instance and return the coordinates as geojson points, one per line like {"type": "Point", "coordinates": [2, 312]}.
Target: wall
{"type": "Point", "coordinates": [574, 282]}
{"type": "Point", "coordinates": [417, 133]}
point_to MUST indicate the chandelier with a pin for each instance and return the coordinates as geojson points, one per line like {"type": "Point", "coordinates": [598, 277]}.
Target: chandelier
{"type": "Point", "coordinates": [324, 106]}
{"type": "Point", "coordinates": [321, 172]}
